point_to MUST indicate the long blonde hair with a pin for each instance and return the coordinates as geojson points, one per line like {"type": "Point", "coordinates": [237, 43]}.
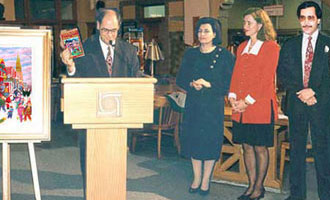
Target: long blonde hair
{"type": "Point", "coordinates": [267, 31]}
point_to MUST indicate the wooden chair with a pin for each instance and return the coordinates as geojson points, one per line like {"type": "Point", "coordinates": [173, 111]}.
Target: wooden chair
{"type": "Point", "coordinates": [284, 157]}
{"type": "Point", "coordinates": [166, 124]}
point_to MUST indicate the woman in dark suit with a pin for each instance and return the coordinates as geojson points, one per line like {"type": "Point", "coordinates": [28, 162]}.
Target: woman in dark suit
{"type": "Point", "coordinates": [205, 75]}
{"type": "Point", "coordinates": [253, 98]}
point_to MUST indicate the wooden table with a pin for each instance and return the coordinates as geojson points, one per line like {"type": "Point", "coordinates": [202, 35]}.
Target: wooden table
{"type": "Point", "coordinates": [231, 168]}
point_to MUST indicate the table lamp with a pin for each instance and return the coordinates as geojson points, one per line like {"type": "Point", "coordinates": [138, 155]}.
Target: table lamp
{"type": "Point", "coordinates": [154, 54]}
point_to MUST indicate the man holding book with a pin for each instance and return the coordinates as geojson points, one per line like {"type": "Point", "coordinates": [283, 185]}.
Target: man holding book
{"type": "Point", "coordinates": [105, 56]}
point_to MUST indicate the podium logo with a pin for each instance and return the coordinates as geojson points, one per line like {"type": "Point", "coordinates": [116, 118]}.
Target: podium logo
{"type": "Point", "coordinates": [109, 104]}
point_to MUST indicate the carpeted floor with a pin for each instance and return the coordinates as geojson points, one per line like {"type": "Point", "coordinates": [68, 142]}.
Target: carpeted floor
{"type": "Point", "coordinates": [148, 178]}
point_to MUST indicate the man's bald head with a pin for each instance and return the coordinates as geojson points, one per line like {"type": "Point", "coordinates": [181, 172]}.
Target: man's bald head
{"type": "Point", "coordinates": [102, 12]}
{"type": "Point", "coordinates": [108, 23]}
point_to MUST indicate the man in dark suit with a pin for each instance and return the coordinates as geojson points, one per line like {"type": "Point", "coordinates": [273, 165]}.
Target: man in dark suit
{"type": "Point", "coordinates": [105, 56]}
{"type": "Point", "coordinates": [304, 72]}
{"type": "Point", "coordinates": [123, 55]}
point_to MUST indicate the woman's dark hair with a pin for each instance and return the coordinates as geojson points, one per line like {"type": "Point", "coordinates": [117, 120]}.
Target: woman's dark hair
{"type": "Point", "coordinates": [2, 10]}
{"type": "Point", "coordinates": [99, 4]}
{"type": "Point", "coordinates": [308, 4]}
{"type": "Point", "coordinates": [216, 28]}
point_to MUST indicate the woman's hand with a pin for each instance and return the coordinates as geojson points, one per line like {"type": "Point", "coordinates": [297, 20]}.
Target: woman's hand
{"type": "Point", "coordinates": [197, 86]}
{"type": "Point", "coordinates": [238, 106]}
{"type": "Point", "coordinates": [203, 82]}
{"type": "Point", "coordinates": [233, 104]}
{"type": "Point", "coordinates": [200, 83]}
{"type": "Point", "coordinates": [241, 105]}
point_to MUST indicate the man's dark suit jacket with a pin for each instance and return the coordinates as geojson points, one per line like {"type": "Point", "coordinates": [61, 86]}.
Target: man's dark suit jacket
{"type": "Point", "coordinates": [290, 74]}
{"type": "Point", "coordinates": [125, 62]}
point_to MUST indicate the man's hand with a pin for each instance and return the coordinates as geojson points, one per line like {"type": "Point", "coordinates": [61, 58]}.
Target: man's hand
{"type": "Point", "coordinates": [305, 94]}
{"type": "Point", "coordinates": [311, 101]}
{"type": "Point", "coordinates": [66, 57]}
{"type": "Point", "coordinates": [67, 60]}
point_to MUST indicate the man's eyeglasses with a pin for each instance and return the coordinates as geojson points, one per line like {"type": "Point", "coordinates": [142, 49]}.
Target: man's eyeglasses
{"type": "Point", "coordinates": [309, 18]}
{"type": "Point", "coordinates": [107, 31]}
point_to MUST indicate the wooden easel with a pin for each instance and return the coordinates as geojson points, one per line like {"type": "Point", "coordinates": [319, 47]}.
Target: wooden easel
{"type": "Point", "coordinates": [6, 168]}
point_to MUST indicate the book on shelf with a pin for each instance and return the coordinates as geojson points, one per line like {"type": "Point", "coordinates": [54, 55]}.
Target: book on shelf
{"type": "Point", "coordinates": [72, 40]}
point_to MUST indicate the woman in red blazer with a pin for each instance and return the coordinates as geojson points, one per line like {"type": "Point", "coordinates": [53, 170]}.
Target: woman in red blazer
{"type": "Point", "coordinates": [253, 98]}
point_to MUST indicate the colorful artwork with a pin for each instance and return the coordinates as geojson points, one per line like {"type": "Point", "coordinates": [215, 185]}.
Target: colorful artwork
{"type": "Point", "coordinates": [25, 56]}
{"type": "Point", "coordinates": [72, 41]}
{"type": "Point", "coordinates": [73, 45]}
{"type": "Point", "coordinates": [15, 84]}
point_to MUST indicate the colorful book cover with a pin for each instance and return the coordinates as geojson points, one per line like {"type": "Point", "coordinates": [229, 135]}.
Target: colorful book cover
{"type": "Point", "coordinates": [72, 41]}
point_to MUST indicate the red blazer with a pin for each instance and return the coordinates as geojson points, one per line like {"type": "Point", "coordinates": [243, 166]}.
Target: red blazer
{"type": "Point", "coordinates": [254, 75]}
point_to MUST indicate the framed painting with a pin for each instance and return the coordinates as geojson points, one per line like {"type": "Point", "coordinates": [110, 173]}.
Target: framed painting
{"type": "Point", "coordinates": [25, 86]}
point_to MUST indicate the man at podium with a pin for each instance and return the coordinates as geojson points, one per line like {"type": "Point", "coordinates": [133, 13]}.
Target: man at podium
{"type": "Point", "coordinates": [105, 56]}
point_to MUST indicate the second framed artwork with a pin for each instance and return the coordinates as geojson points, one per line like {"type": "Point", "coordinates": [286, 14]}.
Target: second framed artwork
{"type": "Point", "coordinates": [25, 84]}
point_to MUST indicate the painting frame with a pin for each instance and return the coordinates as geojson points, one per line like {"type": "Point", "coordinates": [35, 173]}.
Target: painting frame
{"type": "Point", "coordinates": [39, 44]}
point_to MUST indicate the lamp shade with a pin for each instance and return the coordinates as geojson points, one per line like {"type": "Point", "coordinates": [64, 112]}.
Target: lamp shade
{"type": "Point", "coordinates": [153, 52]}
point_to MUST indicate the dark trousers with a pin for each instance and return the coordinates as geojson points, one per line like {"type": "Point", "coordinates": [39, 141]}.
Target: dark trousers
{"type": "Point", "coordinates": [299, 124]}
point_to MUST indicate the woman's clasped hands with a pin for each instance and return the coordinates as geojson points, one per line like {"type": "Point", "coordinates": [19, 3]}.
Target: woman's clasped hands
{"type": "Point", "coordinates": [238, 105]}
{"type": "Point", "coordinates": [200, 83]}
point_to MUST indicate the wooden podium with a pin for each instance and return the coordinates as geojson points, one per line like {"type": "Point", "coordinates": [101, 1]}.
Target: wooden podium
{"type": "Point", "coordinates": [106, 107]}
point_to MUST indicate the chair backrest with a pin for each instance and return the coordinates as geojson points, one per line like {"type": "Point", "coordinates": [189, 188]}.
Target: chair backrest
{"type": "Point", "coordinates": [167, 118]}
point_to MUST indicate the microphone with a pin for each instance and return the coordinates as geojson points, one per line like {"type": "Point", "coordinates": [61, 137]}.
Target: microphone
{"type": "Point", "coordinates": [111, 42]}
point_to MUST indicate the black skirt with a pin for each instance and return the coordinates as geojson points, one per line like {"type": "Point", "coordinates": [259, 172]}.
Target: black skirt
{"type": "Point", "coordinates": [254, 134]}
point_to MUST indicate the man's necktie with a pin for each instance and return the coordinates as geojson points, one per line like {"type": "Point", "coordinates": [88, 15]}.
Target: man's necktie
{"type": "Point", "coordinates": [108, 60]}
{"type": "Point", "coordinates": [308, 62]}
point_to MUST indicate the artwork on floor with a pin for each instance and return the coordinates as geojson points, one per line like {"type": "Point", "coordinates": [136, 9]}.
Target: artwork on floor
{"type": "Point", "coordinates": [25, 84]}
